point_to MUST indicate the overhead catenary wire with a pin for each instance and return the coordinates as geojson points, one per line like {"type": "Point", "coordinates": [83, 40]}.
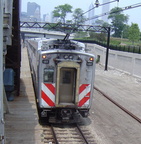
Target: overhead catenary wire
{"type": "Point", "coordinates": [123, 9]}
{"type": "Point", "coordinates": [96, 7]}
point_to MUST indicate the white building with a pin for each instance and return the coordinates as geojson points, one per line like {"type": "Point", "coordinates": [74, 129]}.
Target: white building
{"type": "Point", "coordinates": [91, 14]}
{"type": "Point", "coordinates": [105, 8]}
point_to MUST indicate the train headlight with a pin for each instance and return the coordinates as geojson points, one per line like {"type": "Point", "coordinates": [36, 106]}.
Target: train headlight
{"type": "Point", "coordinates": [66, 56]}
{"type": "Point", "coordinates": [90, 61]}
{"type": "Point", "coordinates": [70, 56]}
{"type": "Point", "coordinates": [44, 56]}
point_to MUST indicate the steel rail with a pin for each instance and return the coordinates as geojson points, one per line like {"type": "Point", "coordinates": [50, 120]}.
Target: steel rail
{"type": "Point", "coordinates": [80, 131]}
{"type": "Point", "coordinates": [54, 135]}
{"type": "Point", "coordinates": [118, 105]}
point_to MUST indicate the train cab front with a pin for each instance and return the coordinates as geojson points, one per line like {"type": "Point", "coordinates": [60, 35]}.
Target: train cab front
{"type": "Point", "coordinates": [64, 92]}
{"type": "Point", "coordinates": [58, 88]}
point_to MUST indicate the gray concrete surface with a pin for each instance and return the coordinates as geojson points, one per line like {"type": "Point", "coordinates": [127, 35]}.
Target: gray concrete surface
{"type": "Point", "coordinates": [111, 124]}
{"type": "Point", "coordinates": [21, 125]}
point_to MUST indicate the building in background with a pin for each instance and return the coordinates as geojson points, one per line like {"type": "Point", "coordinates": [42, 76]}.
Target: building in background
{"type": "Point", "coordinates": [53, 19]}
{"type": "Point", "coordinates": [105, 8]}
{"type": "Point", "coordinates": [91, 14]}
{"type": "Point", "coordinates": [33, 11]}
{"type": "Point", "coordinates": [46, 18]}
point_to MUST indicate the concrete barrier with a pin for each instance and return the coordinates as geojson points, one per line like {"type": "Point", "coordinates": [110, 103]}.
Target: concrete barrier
{"type": "Point", "coordinates": [123, 61]}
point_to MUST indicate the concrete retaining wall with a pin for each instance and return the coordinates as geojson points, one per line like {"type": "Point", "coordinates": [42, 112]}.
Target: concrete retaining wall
{"type": "Point", "coordinates": [123, 61]}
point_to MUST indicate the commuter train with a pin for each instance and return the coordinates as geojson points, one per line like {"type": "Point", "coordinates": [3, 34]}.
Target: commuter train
{"type": "Point", "coordinates": [63, 78]}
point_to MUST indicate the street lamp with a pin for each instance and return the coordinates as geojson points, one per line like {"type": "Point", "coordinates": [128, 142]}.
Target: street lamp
{"type": "Point", "coordinates": [97, 3]}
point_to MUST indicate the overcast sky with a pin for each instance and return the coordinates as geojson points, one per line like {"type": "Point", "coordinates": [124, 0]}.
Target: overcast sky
{"type": "Point", "coordinates": [48, 5]}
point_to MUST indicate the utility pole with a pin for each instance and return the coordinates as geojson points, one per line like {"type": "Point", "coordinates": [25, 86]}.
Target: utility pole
{"type": "Point", "coordinates": [1, 75]}
{"type": "Point", "coordinates": [107, 49]}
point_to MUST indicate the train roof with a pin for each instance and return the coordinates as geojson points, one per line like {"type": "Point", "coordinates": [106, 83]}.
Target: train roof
{"type": "Point", "coordinates": [50, 44]}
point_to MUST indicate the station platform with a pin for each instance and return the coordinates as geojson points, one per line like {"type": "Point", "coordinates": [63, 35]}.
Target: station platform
{"type": "Point", "coordinates": [21, 124]}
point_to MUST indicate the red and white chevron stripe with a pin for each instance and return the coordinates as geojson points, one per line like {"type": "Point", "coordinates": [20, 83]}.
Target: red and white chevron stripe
{"type": "Point", "coordinates": [84, 94]}
{"type": "Point", "coordinates": [48, 95]}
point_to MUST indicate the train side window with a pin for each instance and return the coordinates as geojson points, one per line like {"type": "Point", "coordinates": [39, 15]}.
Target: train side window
{"type": "Point", "coordinates": [48, 75]}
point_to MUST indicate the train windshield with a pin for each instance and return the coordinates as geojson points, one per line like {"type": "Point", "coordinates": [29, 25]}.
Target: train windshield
{"type": "Point", "coordinates": [48, 75]}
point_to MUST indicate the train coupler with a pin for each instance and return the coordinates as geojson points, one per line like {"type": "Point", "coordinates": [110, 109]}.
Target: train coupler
{"type": "Point", "coordinates": [66, 114]}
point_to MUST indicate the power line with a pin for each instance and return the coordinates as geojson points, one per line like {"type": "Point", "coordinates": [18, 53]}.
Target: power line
{"type": "Point", "coordinates": [98, 6]}
{"type": "Point", "coordinates": [123, 9]}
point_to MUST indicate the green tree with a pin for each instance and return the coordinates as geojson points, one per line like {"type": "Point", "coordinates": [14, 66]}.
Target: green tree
{"type": "Point", "coordinates": [118, 21]}
{"type": "Point", "coordinates": [125, 32]}
{"type": "Point", "coordinates": [78, 16]}
{"type": "Point", "coordinates": [61, 12]}
{"type": "Point", "coordinates": [102, 23]}
{"type": "Point", "coordinates": [134, 33]}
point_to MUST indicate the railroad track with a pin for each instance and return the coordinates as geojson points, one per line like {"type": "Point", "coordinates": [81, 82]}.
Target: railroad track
{"type": "Point", "coordinates": [66, 134]}
{"type": "Point", "coordinates": [118, 105]}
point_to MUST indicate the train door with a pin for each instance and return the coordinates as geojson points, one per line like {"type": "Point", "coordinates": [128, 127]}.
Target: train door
{"type": "Point", "coordinates": [67, 83]}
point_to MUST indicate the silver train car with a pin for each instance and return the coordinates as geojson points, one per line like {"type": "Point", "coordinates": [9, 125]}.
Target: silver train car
{"type": "Point", "coordinates": [63, 77]}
